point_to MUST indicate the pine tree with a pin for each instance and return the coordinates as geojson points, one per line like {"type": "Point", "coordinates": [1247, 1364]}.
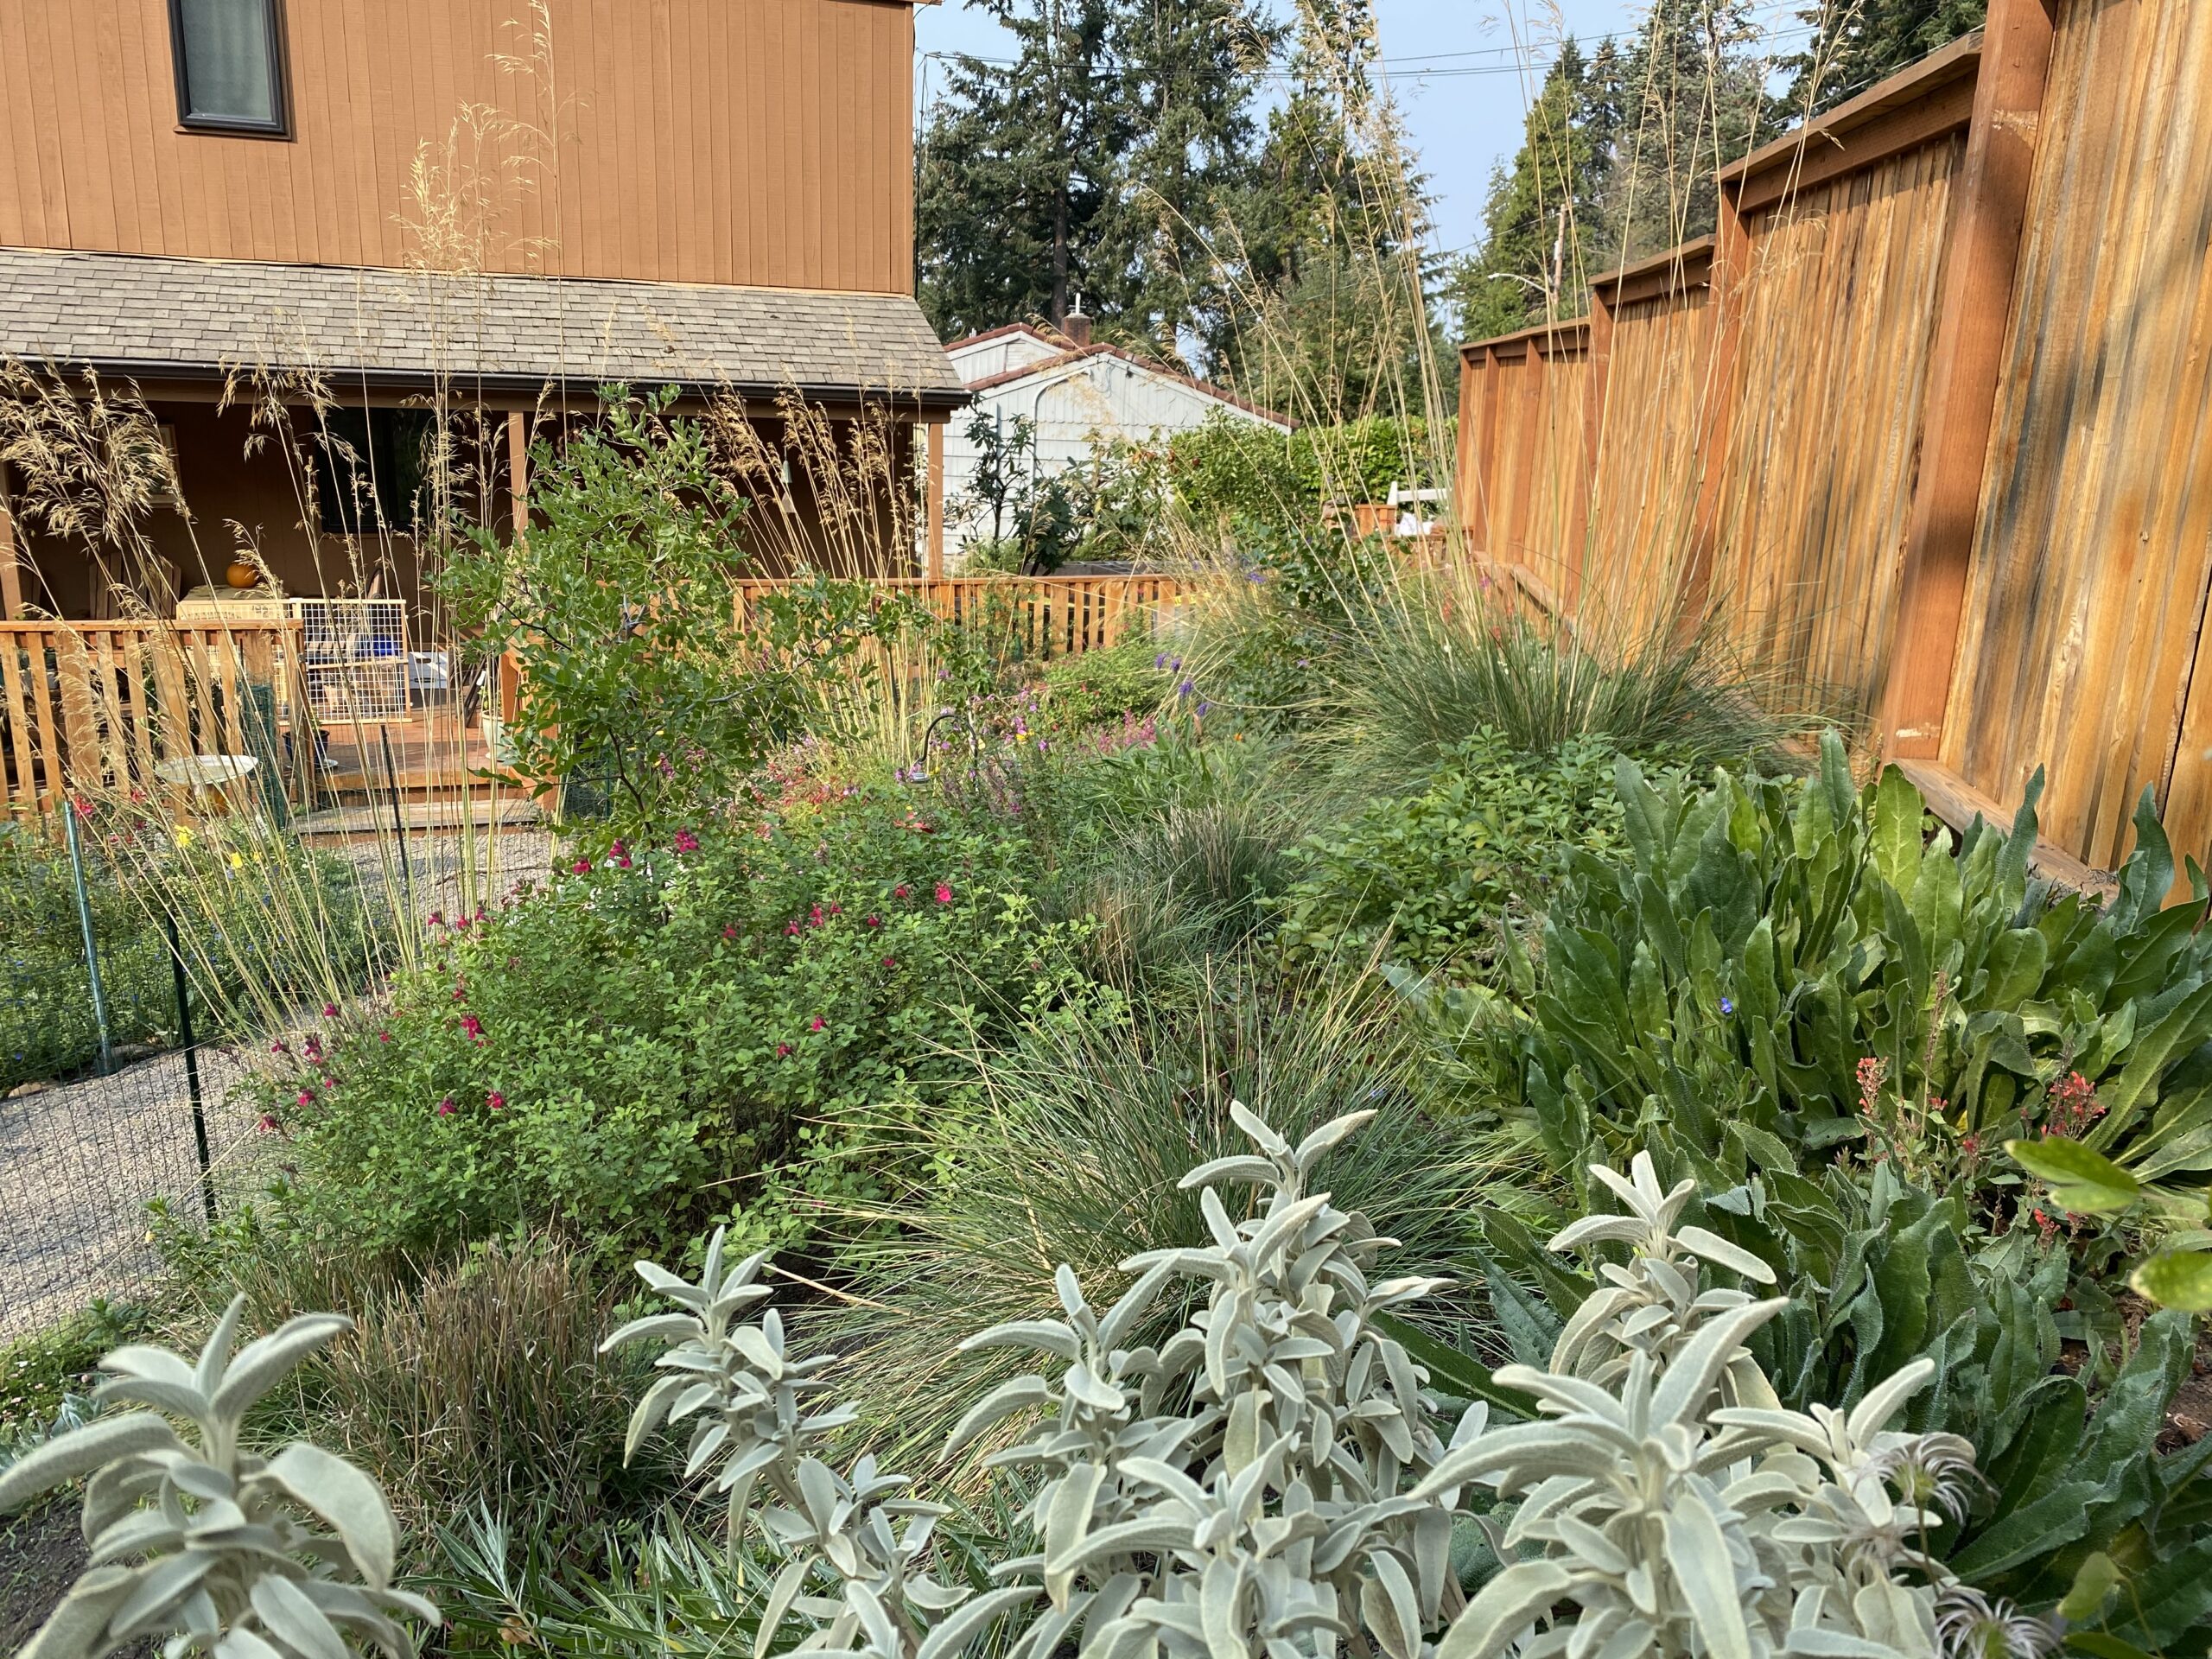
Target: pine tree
{"type": "Point", "coordinates": [1530, 263]}
{"type": "Point", "coordinates": [1099, 163]}
{"type": "Point", "coordinates": [1016, 169]}
{"type": "Point", "coordinates": [1859, 44]}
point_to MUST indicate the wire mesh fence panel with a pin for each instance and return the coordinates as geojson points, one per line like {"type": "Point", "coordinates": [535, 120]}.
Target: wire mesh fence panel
{"type": "Point", "coordinates": [82, 1162]}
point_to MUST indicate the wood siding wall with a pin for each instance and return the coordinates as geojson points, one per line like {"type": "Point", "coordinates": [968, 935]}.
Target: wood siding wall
{"type": "Point", "coordinates": [2085, 601]}
{"type": "Point", "coordinates": [1804, 504]}
{"type": "Point", "coordinates": [758, 142]}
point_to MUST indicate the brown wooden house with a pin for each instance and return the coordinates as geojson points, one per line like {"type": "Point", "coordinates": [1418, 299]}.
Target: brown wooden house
{"type": "Point", "coordinates": [382, 206]}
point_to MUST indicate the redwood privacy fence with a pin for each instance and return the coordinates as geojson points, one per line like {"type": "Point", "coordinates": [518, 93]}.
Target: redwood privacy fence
{"type": "Point", "coordinates": [1927, 425]}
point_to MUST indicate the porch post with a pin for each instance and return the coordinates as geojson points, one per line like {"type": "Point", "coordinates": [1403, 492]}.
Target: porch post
{"type": "Point", "coordinates": [11, 580]}
{"type": "Point", "coordinates": [934, 508]}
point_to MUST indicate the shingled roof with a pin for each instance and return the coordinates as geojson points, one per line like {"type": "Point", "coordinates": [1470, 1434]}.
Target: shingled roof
{"type": "Point", "coordinates": [155, 318]}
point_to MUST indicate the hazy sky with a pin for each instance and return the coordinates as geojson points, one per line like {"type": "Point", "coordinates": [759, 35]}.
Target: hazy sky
{"type": "Point", "coordinates": [1464, 71]}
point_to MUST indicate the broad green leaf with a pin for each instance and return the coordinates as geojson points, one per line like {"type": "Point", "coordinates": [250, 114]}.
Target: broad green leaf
{"type": "Point", "coordinates": [2176, 1279]}
{"type": "Point", "coordinates": [2081, 1180]}
{"type": "Point", "coordinates": [77, 1453]}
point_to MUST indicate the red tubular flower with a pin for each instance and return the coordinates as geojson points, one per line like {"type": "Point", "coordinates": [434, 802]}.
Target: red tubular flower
{"type": "Point", "coordinates": [278, 1047]}
{"type": "Point", "coordinates": [813, 917]}
{"type": "Point", "coordinates": [898, 892]}
{"type": "Point", "coordinates": [729, 930]}
{"type": "Point", "coordinates": [267, 1125]}
{"type": "Point", "coordinates": [307, 1097]}
{"type": "Point", "coordinates": [790, 927]}
{"type": "Point", "coordinates": [875, 921]}
{"type": "Point", "coordinates": [783, 1050]}
{"type": "Point", "coordinates": [815, 1024]}
{"type": "Point", "coordinates": [472, 1025]}
{"type": "Point", "coordinates": [496, 1101]}
{"type": "Point", "coordinates": [686, 841]}
{"type": "Point", "coordinates": [330, 1010]}
{"type": "Point", "coordinates": [445, 1107]}
{"type": "Point", "coordinates": [890, 961]}
{"type": "Point", "coordinates": [581, 866]}
{"type": "Point", "coordinates": [384, 1036]}
{"type": "Point", "coordinates": [944, 892]}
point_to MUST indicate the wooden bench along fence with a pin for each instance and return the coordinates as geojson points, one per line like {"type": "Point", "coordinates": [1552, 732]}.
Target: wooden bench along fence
{"type": "Point", "coordinates": [1928, 422]}
{"type": "Point", "coordinates": [95, 707]}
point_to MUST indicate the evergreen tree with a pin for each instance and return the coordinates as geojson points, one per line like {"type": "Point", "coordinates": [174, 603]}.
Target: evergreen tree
{"type": "Point", "coordinates": [1530, 263]}
{"type": "Point", "coordinates": [1692, 98]}
{"type": "Point", "coordinates": [1329, 302]}
{"type": "Point", "coordinates": [1098, 163]}
{"type": "Point", "coordinates": [1016, 169]}
{"type": "Point", "coordinates": [1859, 42]}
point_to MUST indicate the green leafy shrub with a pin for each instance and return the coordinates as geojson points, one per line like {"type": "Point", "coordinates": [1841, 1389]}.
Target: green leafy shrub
{"type": "Point", "coordinates": [228, 920]}
{"type": "Point", "coordinates": [641, 675]}
{"type": "Point", "coordinates": [1438, 872]}
{"type": "Point", "coordinates": [1128, 679]}
{"type": "Point", "coordinates": [1780, 970]}
{"type": "Point", "coordinates": [1261, 476]}
{"type": "Point", "coordinates": [645, 1026]}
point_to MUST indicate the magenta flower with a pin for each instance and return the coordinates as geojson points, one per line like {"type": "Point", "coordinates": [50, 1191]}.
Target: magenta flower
{"type": "Point", "coordinates": [461, 992]}
{"type": "Point", "coordinates": [623, 862]}
{"type": "Point", "coordinates": [815, 1024]}
{"type": "Point", "coordinates": [278, 1047]}
{"type": "Point", "coordinates": [445, 1107]}
{"type": "Point", "coordinates": [898, 892]}
{"type": "Point", "coordinates": [330, 1010]}
{"type": "Point", "coordinates": [384, 1036]}
{"type": "Point", "coordinates": [618, 849]}
{"type": "Point", "coordinates": [944, 892]}
{"type": "Point", "coordinates": [890, 961]}
{"type": "Point", "coordinates": [472, 1025]}
{"type": "Point", "coordinates": [729, 930]}
{"type": "Point", "coordinates": [581, 866]}
{"type": "Point", "coordinates": [267, 1125]}
{"type": "Point", "coordinates": [686, 841]}
{"type": "Point", "coordinates": [313, 1046]}
{"type": "Point", "coordinates": [790, 927]}
{"type": "Point", "coordinates": [837, 910]}
{"type": "Point", "coordinates": [496, 1101]}
{"type": "Point", "coordinates": [783, 1050]}
{"type": "Point", "coordinates": [307, 1097]}
{"type": "Point", "coordinates": [437, 919]}
{"type": "Point", "coordinates": [875, 921]}
{"type": "Point", "coordinates": [813, 917]}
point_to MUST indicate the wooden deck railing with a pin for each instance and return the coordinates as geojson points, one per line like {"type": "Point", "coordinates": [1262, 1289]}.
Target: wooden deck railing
{"type": "Point", "coordinates": [1052, 616]}
{"type": "Point", "coordinates": [95, 707]}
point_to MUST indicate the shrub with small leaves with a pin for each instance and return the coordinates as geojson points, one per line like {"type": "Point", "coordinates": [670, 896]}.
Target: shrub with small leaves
{"type": "Point", "coordinates": [207, 1542]}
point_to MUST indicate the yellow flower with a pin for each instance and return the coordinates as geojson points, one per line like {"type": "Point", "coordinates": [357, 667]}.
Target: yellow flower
{"type": "Point", "coordinates": [236, 862]}
{"type": "Point", "coordinates": [184, 835]}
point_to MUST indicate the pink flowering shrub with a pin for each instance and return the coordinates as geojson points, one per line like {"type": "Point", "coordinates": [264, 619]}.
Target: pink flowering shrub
{"type": "Point", "coordinates": [639, 1050]}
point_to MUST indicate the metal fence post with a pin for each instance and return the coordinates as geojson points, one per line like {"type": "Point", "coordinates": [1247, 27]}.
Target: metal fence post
{"type": "Point", "coordinates": [191, 1067]}
{"type": "Point", "coordinates": [85, 921]}
{"type": "Point", "coordinates": [398, 823]}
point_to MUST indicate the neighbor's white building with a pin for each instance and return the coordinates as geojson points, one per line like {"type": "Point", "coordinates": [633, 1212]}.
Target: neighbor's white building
{"type": "Point", "coordinates": [1076, 394]}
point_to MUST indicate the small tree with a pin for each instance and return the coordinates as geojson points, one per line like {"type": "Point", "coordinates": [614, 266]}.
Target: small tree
{"type": "Point", "coordinates": [640, 668]}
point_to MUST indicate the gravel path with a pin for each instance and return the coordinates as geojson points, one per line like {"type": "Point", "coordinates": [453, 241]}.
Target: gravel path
{"type": "Point", "coordinates": [80, 1161]}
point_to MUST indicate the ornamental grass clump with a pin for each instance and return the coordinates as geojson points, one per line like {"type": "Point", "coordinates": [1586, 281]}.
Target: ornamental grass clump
{"type": "Point", "coordinates": [1274, 1479]}
{"type": "Point", "coordinates": [206, 1541]}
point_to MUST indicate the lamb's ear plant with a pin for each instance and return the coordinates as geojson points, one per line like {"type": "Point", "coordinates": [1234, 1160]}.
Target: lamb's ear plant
{"type": "Point", "coordinates": [858, 1533]}
{"type": "Point", "coordinates": [1270, 1484]}
{"type": "Point", "coordinates": [206, 1541]}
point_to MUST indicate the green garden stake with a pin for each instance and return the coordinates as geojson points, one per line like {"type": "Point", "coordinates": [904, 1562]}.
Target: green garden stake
{"type": "Point", "coordinates": [85, 921]}
{"type": "Point", "coordinates": [191, 1069]}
